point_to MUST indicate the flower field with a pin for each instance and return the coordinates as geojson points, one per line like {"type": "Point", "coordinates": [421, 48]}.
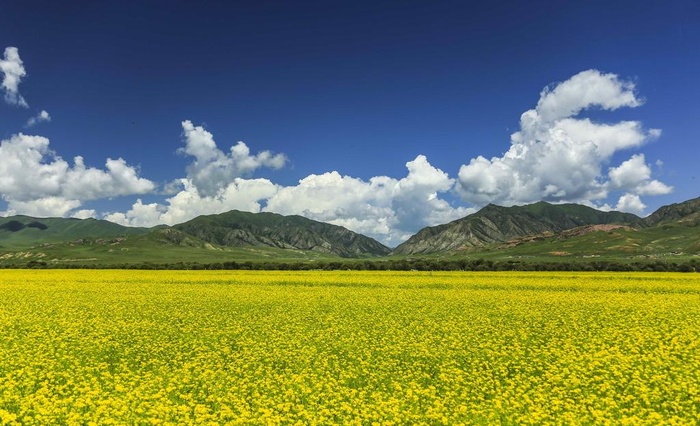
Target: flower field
{"type": "Point", "coordinates": [247, 347]}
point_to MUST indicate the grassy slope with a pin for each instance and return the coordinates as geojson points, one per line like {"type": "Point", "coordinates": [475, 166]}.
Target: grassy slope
{"type": "Point", "coordinates": [236, 228]}
{"type": "Point", "coordinates": [94, 242]}
{"type": "Point", "coordinates": [58, 229]}
{"type": "Point", "coordinates": [562, 212]}
{"type": "Point", "coordinates": [671, 241]}
{"type": "Point", "coordinates": [149, 248]}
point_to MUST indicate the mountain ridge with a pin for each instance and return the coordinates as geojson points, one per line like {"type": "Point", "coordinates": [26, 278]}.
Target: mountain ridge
{"type": "Point", "coordinates": [540, 230]}
{"type": "Point", "coordinates": [230, 229]}
{"type": "Point", "coordinates": [236, 228]}
{"type": "Point", "coordinates": [21, 231]}
{"type": "Point", "coordinates": [497, 224]}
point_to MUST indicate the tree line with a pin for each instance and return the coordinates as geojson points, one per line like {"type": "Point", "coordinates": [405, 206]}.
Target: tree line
{"type": "Point", "coordinates": [393, 265]}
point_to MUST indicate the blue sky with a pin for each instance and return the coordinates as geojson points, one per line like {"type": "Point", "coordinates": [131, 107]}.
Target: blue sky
{"type": "Point", "coordinates": [383, 117]}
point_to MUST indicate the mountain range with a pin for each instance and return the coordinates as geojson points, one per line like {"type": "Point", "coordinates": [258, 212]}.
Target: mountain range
{"type": "Point", "coordinates": [539, 231]}
{"type": "Point", "coordinates": [496, 224]}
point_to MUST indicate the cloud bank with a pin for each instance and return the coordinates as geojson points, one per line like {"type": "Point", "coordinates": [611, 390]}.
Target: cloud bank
{"type": "Point", "coordinates": [13, 71]}
{"type": "Point", "coordinates": [558, 157]}
{"type": "Point", "coordinates": [385, 208]}
{"type": "Point", "coordinates": [35, 181]}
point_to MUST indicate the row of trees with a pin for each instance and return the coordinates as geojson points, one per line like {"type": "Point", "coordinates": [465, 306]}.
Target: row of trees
{"type": "Point", "coordinates": [402, 265]}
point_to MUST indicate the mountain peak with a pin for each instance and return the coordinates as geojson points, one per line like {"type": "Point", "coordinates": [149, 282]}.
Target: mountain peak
{"type": "Point", "coordinates": [673, 212]}
{"type": "Point", "coordinates": [236, 229]}
{"type": "Point", "coordinates": [497, 224]}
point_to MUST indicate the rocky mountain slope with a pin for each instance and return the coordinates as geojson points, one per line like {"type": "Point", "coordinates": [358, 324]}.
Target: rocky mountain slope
{"type": "Point", "coordinates": [231, 229]}
{"type": "Point", "coordinates": [237, 229]}
{"type": "Point", "coordinates": [496, 224]}
{"type": "Point", "coordinates": [688, 212]}
{"type": "Point", "coordinates": [530, 231]}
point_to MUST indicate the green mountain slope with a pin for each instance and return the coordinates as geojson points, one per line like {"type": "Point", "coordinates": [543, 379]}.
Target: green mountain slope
{"type": "Point", "coordinates": [496, 224]}
{"type": "Point", "coordinates": [160, 246]}
{"type": "Point", "coordinates": [540, 232]}
{"type": "Point", "coordinates": [239, 229]}
{"type": "Point", "coordinates": [232, 236]}
{"type": "Point", "coordinates": [687, 212]}
{"type": "Point", "coordinates": [671, 234]}
{"type": "Point", "coordinates": [25, 231]}
{"type": "Point", "coordinates": [662, 242]}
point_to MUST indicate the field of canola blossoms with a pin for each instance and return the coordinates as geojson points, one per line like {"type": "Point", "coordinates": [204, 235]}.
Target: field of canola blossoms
{"type": "Point", "coordinates": [156, 347]}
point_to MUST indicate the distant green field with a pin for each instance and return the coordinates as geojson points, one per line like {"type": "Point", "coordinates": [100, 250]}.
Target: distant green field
{"type": "Point", "coordinates": [140, 249]}
{"type": "Point", "coordinates": [665, 243]}
{"type": "Point", "coordinates": [675, 245]}
{"type": "Point", "coordinates": [149, 347]}
{"type": "Point", "coordinates": [656, 243]}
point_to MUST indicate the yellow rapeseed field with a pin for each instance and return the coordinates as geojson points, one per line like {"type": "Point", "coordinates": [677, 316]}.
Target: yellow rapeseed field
{"type": "Point", "coordinates": [235, 347]}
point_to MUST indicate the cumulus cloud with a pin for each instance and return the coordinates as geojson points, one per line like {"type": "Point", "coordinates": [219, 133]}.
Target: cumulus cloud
{"type": "Point", "coordinates": [555, 156]}
{"type": "Point", "coordinates": [241, 194]}
{"type": "Point", "coordinates": [584, 90]}
{"type": "Point", "coordinates": [41, 117]}
{"type": "Point", "coordinates": [212, 169]}
{"type": "Point", "coordinates": [13, 71]}
{"type": "Point", "coordinates": [84, 214]}
{"type": "Point", "coordinates": [630, 203]}
{"type": "Point", "coordinates": [634, 175]}
{"type": "Point", "coordinates": [385, 208]}
{"type": "Point", "coordinates": [47, 206]}
{"type": "Point", "coordinates": [558, 157]}
{"type": "Point", "coordinates": [36, 181]}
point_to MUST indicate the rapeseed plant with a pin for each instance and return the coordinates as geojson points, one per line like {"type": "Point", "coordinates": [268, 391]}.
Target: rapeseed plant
{"type": "Point", "coordinates": [251, 347]}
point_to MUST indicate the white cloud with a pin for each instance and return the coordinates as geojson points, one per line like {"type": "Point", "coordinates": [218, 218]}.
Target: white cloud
{"type": "Point", "coordinates": [146, 215]}
{"type": "Point", "coordinates": [47, 206]}
{"type": "Point", "coordinates": [13, 71]}
{"type": "Point", "coordinates": [585, 90]}
{"type": "Point", "coordinates": [241, 194]}
{"type": "Point", "coordinates": [341, 200]}
{"type": "Point", "coordinates": [36, 181]}
{"type": "Point", "coordinates": [84, 214]}
{"type": "Point", "coordinates": [607, 138]}
{"type": "Point", "coordinates": [387, 209]}
{"type": "Point", "coordinates": [557, 157]}
{"type": "Point", "coordinates": [41, 117]}
{"type": "Point", "coordinates": [630, 203]}
{"type": "Point", "coordinates": [384, 208]}
{"type": "Point", "coordinates": [212, 168]}
{"type": "Point", "coordinates": [630, 173]}
{"type": "Point", "coordinates": [653, 187]}
{"type": "Point", "coordinates": [635, 175]}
